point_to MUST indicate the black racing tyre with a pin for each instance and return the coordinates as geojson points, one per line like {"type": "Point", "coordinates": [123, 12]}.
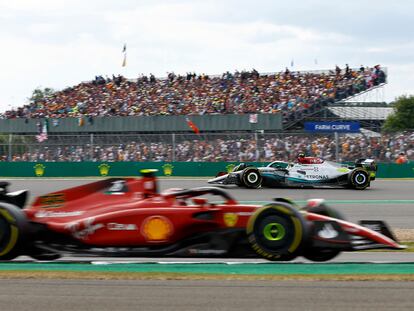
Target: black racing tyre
{"type": "Point", "coordinates": [45, 256]}
{"type": "Point", "coordinates": [251, 178]}
{"type": "Point", "coordinates": [277, 232]}
{"type": "Point", "coordinates": [321, 254]}
{"type": "Point", "coordinates": [359, 179]}
{"type": "Point", "coordinates": [13, 226]}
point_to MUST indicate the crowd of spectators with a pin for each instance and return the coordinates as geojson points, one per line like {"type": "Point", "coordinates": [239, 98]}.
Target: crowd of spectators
{"type": "Point", "coordinates": [212, 148]}
{"type": "Point", "coordinates": [231, 93]}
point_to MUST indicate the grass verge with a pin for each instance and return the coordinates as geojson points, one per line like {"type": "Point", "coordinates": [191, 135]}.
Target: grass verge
{"type": "Point", "coordinates": [410, 247]}
{"type": "Point", "coordinates": [190, 276]}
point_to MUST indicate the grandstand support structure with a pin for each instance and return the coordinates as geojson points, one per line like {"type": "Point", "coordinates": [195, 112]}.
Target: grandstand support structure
{"type": "Point", "coordinates": [371, 98]}
{"type": "Point", "coordinates": [375, 94]}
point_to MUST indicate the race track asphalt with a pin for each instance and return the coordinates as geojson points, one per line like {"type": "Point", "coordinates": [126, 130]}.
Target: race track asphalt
{"type": "Point", "coordinates": [62, 295]}
{"type": "Point", "coordinates": [389, 200]}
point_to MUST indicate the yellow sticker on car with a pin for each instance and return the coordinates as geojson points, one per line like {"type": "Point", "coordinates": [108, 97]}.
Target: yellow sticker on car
{"type": "Point", "coordinates": [49, 200]}
{"type": "Point", "coordinates": [230, 219]}
{"type": "Point", "coordinates": [342, 170]}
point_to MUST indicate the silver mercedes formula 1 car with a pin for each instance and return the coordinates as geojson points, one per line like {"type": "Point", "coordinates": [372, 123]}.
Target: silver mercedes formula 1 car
{"type": "Point", "coordinates": [305, 172]}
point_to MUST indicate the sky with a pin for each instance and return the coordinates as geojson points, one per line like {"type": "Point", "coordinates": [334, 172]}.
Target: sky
{"type": "Point", "coordinates": [61, 43]}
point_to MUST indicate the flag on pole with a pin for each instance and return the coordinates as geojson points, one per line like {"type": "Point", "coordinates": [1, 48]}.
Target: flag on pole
{"type": "Point", "coordinates": [253, 118]}
{"type": "Point", "coordinates": [42, 136]}
{"type": "Point", "coordinates": [125, 55]}
{"type": "Point", "coordinates": [81, 121]}
{"type": "Point", "coordinates": [192, 125]}
{"type": "Point", "coordinates": [292, 63]}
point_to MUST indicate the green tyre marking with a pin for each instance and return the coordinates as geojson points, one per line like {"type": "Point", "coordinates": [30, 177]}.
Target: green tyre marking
{"type": "Point", "coordinates": [274, 231]}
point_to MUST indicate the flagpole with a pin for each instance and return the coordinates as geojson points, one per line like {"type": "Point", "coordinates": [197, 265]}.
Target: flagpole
{"type": "Point", "coordinates": [124, 59]}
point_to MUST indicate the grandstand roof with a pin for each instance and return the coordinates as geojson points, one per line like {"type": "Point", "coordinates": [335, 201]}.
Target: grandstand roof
{"type": "Point", "coordinates": [361, 113]}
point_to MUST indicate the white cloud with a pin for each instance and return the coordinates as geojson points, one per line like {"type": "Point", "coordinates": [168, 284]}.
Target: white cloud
{"type": "Point", "coordinates": [60, 43]}
{"type": "Point", "coordinates": [32, 5]}
{"type": "Point", "coordinates": [43, 28]}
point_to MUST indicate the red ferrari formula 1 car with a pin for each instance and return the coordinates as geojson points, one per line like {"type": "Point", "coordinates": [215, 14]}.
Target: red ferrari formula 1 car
{"type": "Point", "coordinates": [129, 217]}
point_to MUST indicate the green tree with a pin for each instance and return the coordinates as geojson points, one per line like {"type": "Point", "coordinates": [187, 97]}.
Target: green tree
{"type": "Point", "coordinates": [39, 94]}
{"type": "Point", "coordinates": [403, 116]}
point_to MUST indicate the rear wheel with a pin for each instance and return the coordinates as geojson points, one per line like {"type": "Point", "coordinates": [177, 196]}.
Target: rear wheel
{"type": "Point", "coordinates": [322, 254]}
{"type": "Point", "coordinates": [45, 256]}
{"type": "Point", "coordinates": [359, 179]}
{"type": "Point", "coordinates": [251, 178]}
{"type": "Point", "coordinates": [277, 232]}
{"type": "Point", "coordinates": [13, 224]}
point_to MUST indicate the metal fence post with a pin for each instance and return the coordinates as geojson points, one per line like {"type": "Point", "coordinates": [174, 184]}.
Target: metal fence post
{"type": "Point", "coordinates": [173, 146]}
{"type": "Point", "coordinates": [10, 148]}
{"type": "Point", "coordinates": [256, 155]}
{"type": "Point", "coordinates": [91, 149]}
{"type": "Point", "coordinates": [336, 147]}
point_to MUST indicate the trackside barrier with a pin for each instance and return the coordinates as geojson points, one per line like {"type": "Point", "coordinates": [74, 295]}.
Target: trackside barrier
{"type": "Point", "coordinates": [195, 169]}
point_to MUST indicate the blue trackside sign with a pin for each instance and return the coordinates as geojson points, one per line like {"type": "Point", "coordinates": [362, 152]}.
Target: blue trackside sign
{"type": "Point", "coordinates": [340, 127]}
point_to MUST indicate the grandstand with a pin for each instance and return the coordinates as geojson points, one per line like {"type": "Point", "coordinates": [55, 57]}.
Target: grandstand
{"type": "Point", "coordinates": [243, 116]}
{"type": "Point", "coordinates": [295, 95]}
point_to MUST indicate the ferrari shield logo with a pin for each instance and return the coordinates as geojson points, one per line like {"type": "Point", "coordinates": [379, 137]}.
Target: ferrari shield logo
{"type": "Point", "coordinates": [230, 219]}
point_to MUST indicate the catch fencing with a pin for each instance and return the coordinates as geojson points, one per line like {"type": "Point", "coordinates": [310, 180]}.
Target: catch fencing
{"type": "Point", "coordinates": [213, 147]}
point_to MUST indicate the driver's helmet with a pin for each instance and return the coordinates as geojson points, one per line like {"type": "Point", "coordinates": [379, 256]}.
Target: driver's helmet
{"type": "Point", "coordinates": [301, 157]}
{"type": "Point", "coordinates": [239, 167]}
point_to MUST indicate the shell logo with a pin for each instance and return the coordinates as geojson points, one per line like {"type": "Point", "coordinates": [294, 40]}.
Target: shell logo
{"type": "Point", "coordinates": [157, 228]}
{"type": "Point", "coordinates": [104, 169]}
{"type": "Point", "coordinates": [39, 170]}
{"type": "Point", "coordinates": [168, 169]}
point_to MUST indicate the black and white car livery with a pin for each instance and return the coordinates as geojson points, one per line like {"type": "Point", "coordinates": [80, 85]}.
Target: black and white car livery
{"type": "Point", "coordinates": [306, 172]}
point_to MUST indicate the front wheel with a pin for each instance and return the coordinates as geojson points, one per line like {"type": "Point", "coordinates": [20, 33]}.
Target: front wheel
{"type": "Point", "coordinates": [13, 224]}
{"type": "Point", "coordinates": [277, 232]}
{"type": "Point", "coordinates": [251, 178]}
{"type": "Point", "coordinates": [359, 179]}
{"type": "Point", "coordinates": [320, 255]}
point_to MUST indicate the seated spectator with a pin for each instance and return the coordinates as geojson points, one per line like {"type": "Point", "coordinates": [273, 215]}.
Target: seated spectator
{"type": "Point", "coordinates": [291, 93]}
{"type": "Point", "coordinates": [401, 158]}
{"type": "Point", "coordinates": [231, 147]}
